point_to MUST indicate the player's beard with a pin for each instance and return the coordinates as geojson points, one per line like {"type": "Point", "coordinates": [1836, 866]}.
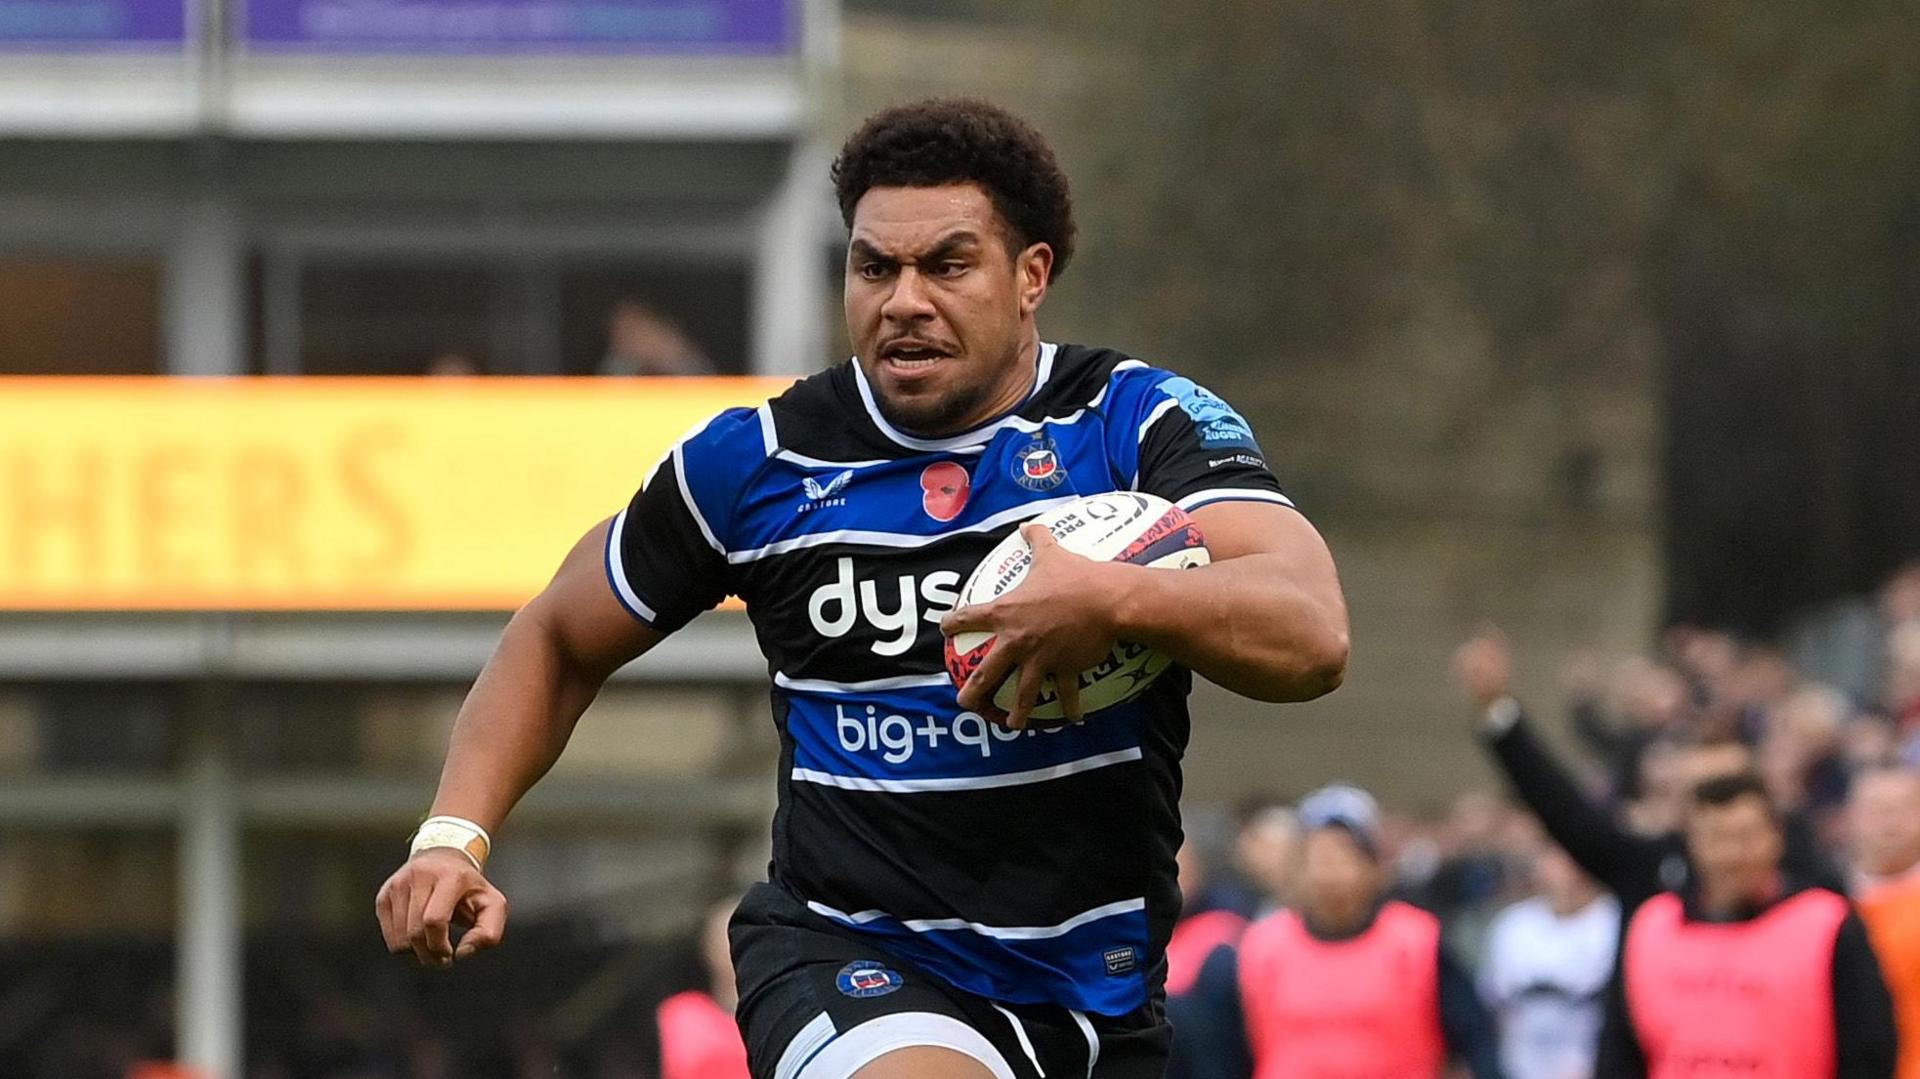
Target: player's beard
{"type": "Point", "coordinates": [932, 415]}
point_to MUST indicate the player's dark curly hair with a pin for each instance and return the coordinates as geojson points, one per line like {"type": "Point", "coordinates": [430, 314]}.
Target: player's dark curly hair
{"type": "Point", "coordinates": [961, 140]}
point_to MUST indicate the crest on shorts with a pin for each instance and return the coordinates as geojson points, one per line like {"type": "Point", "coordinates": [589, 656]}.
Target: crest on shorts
{"type": "Point", "coordinates": [863, 978]}
{"type": "Point", "coordinates": [1037, 465]}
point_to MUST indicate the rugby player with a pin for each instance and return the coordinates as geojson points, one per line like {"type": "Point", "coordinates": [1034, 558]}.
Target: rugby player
{"type": "Point", "coordinates": [949, 897]}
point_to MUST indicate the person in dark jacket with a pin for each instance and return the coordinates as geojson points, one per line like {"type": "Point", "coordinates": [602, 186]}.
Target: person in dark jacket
{"type": "Point", "coordinates": [1632, 866]}
{"type": "Point", "coordinates": [1747, 972]}
{"type": "Point", "coordinates": [1205, 926]}
{"type": "Point", "coordinates": [1635, 867]}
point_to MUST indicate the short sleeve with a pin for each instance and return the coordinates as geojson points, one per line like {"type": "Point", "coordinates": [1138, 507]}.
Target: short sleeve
{"type": "Point", "coordinates": [666, 556]}
{"type": "Point", "coordinates": [1195, 449]}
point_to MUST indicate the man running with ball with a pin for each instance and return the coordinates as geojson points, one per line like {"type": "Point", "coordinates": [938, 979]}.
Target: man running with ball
{"type": "Point", "coordinates": [949, 898]}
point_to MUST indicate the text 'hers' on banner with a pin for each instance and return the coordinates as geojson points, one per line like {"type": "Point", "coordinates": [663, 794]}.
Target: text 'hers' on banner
{"type": "Point", "coordinates": [320, 494]}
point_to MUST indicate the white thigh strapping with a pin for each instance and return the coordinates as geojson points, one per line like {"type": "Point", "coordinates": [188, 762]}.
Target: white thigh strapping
{"type": "Point", "coordinates": [849, 1051]}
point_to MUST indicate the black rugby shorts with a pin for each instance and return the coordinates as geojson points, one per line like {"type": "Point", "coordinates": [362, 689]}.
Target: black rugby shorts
{"type": "Point", "coordinates": [818, 1001]}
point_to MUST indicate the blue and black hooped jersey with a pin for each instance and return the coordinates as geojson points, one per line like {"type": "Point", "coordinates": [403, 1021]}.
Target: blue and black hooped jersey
{"type": "Point", "coordinates": [1032, 866]}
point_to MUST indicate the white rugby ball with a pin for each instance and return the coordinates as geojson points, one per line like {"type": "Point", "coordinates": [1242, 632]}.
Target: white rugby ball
{"type": "Point", "coordinates": [1121, 526]}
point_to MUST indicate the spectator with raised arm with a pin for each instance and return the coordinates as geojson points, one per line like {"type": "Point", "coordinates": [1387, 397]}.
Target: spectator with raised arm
{"type": "Point", "coordinates": [1631, 865]}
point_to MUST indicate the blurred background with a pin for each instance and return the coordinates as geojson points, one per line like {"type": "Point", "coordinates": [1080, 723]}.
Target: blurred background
{"type": "Point", "coordinates": [1601, 326]}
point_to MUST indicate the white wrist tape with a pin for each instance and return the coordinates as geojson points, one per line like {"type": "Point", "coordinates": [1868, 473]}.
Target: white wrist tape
{"type": "Point", "coordinates": [457, 832]}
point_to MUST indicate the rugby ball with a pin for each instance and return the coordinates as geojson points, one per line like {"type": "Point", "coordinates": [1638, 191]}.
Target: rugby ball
{"type": "Point", "coordinates": [1122, 526]}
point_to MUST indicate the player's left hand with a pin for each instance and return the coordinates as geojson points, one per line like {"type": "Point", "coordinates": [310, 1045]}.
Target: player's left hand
{"type": "Point", "coordinates": [1058, 621]}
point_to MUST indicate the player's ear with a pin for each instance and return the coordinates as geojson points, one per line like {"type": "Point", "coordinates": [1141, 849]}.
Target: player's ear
{"type": "Point", "coordinates": [1033, 266]}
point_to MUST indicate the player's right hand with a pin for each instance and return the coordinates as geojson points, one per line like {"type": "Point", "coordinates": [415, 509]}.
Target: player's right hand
{"type": "Point", "coordinates": [1056, 624]}
{"type": "Point", "coordinates": [434, 891]}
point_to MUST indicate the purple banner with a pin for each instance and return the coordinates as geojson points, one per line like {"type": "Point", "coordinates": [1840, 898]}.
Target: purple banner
{"type": "Point", "coordinates": [90, 25]}
{"type": "Point", "coordinates": [497, 27]}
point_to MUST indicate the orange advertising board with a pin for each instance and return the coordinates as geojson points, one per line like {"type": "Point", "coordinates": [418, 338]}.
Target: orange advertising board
{"type": "Point", "coordinates": [320, 493]}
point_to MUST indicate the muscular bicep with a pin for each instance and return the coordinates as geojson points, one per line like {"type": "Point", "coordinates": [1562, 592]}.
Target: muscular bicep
{"type": "Point", "coordinates": [1281, 535]}
{"type": "Point", "coordinates": [582, 614]}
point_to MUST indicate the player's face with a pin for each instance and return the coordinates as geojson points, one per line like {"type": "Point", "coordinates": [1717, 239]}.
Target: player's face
{"type": "Point", "coordinates": [940, 306]}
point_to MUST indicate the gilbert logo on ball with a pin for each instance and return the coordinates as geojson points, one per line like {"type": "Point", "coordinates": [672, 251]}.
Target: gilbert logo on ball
{"type": "Point", "coordinates": [1122, 526]}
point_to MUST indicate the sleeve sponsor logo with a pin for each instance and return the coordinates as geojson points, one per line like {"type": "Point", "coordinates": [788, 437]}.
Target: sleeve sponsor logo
{"type": "Point", "coordinates": [1215, 420]}
{"type": "Point", "coordinates": [1246, 459]}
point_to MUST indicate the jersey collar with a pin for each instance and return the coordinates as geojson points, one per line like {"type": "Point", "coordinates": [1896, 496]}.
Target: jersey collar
{"type": "Point", "coordinates": [979, 436]}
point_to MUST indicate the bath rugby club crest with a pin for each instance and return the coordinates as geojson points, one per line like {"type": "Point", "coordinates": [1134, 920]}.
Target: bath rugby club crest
{"type": "Point", "coordinates": [1037, 467]}
{"type": "Point", "coordinates": [864, 979]}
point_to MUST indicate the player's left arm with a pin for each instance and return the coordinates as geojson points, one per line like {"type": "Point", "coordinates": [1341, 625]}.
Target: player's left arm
{"type": "Point", "coordinates": [1266, 619]}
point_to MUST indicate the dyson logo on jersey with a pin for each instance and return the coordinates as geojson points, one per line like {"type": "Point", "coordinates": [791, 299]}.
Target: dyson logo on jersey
{"type": "Point", "coordinates": [837, 607]}
{"type": "Point", "coordinates": [896, 737]}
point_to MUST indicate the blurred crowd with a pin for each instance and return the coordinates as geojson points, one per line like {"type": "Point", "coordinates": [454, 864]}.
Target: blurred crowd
{"type": "Point", "coordinates": [1665, 741]}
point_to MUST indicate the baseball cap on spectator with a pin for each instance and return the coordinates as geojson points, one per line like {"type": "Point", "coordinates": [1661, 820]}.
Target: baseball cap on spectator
{"type": "Point", "coordinates": [1342, 806]}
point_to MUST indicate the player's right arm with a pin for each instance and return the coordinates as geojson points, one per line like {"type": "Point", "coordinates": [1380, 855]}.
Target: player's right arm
{"type": "Point", "coordinates": [550, 663]}
{"type": "Point", "coordinates": [627, 584]}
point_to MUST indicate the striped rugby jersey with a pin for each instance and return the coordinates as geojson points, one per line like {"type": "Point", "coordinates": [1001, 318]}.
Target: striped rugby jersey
{"type": "Point", "coordinates": [1033, 866]}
